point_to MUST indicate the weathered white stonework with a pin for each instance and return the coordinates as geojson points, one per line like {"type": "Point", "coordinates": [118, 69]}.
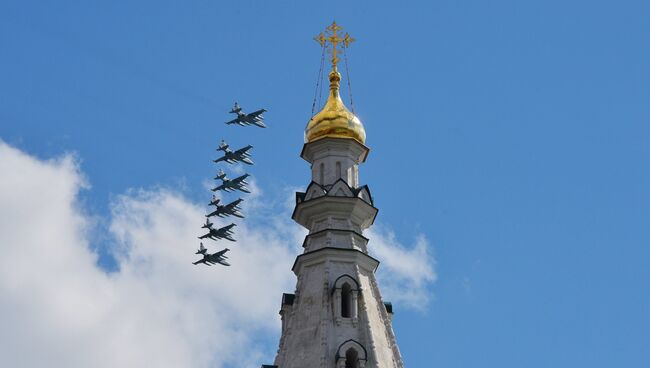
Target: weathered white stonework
{"type": "Point", "coordinates": [336, 318]}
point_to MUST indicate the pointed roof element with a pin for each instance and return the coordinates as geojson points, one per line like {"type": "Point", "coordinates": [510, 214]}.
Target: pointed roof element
{"type": "Point", "coordinates": [334, 120]}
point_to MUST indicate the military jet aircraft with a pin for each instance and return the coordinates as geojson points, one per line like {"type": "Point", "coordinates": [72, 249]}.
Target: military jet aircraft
{"type": "Point", "coordinates": [254, 118]}
{"type": "Point", "coordinates": [241, 155]}
{"type": "Point", "coordinates": [220, 233]}
{"type": "Point", "coordinates": [228, 185]}
{"type": "Point", "coordinates": [230, 209]}
{"type": "Point", "coordinates": [215, 201]}
{"type": "Point", "coordinates": [207, 225]}
{"type": "Point", "coordinates": [214, 258]}
{"type": "Point", "coordinates": [220, 175]}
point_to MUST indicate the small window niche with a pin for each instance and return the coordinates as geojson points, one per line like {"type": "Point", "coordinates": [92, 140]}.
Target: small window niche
{"type": "Point", "coordinates": [346, 300]}
{"type": "Point", "coordinates": [351, 354]}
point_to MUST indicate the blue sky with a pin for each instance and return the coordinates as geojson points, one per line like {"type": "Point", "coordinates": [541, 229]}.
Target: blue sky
{"type": "Point", "coordinates": [514, 135]}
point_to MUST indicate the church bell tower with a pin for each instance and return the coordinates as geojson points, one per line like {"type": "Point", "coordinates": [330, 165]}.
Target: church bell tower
{"type": "Point", "coordinates": [336, 318]}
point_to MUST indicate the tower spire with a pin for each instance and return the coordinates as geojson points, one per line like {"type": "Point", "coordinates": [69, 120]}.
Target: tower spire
{"type": "Point", "coordinates": [334, 119]}
{"type": "Point", "coordinates": [336, 317]}
{"type": "Point", "coordinates": [332, 39]}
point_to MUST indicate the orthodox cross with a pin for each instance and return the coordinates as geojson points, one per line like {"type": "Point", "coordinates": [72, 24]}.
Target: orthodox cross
{"type": "Point", "coordinates": [332, 38]}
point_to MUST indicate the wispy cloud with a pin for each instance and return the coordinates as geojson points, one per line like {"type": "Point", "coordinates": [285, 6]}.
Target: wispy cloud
{"type": "Point", "coordinates": [406, 272]}
{"type": "Point", "coordinates": [157, 309]}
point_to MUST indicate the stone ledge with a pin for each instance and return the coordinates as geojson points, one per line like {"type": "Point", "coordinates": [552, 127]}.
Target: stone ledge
{"type": "Point", "coordinates": [335, 254]}
{"type": "Point", "coordinates": [343, 144]}
{"type": "Point", "coordinates": [356, 209]}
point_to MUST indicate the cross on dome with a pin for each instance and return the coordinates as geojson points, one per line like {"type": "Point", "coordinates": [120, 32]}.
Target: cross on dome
{"type": "Point", "coordinates": [334, 120]}
{"type": "Point", "coordinates": [332, 38]}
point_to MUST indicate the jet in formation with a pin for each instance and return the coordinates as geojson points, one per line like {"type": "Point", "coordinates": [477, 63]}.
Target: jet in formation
{"type": "Point", "coordinates": [254, 118]}
{"type": "Point", "coordinates": [215, 201]}
{"type": "Point", "coordinates": [207, 225]}
{"type": "Point", "coordinates": [230, 185]}
{"type": "Point", "coordinates": [223, 210]}
{"type": "Point", "coordinates": [216, 234]}
{"type": "Point", "coordinates": [214, 258]}
{"type": "Point", "coordinates": [231, 157]}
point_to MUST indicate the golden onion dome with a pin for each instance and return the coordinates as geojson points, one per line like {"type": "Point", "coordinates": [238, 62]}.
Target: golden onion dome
{"type": "Point", "coordinates": [335, 120]}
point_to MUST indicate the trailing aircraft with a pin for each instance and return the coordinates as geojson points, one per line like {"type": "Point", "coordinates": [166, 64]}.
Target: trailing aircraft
{"type": "Point", "coordinates": [230, 209]}
{"type": "Point", "coordinates": [254, 118]}
{"type": "Point", "coordinates": [230, 185]}
{"type": "Point", "coordinates": [231, 157]}
{"type": "Point", "coordinates": [215, 201]}
{"type": "Point", "coordinates": [214, 258]}
{"type": "Point", "coordinates": [220, 233]}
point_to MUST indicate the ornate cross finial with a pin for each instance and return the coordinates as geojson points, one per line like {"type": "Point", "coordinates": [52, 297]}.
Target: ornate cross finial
{"type": "Point", "coordinates": [331, 37]}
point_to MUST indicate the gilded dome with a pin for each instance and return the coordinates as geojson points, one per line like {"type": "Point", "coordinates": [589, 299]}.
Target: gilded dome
{"type": "Point", "coordinates": [335, 120]}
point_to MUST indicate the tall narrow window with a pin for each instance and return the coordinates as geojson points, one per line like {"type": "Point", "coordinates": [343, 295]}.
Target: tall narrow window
{"type": "Point", "coordinates": [321, 173]}
{"type": "Point", "coordinates": [346, 300]}
{"type": "Point", "coordinates": [351, 358]}
{"type": "Point", "coordinates": [338, 170]}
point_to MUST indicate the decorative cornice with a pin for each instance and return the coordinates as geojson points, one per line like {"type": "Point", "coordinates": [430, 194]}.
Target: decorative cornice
{"type": "Point", "coordinates": [327, 253]}
{"type": "Point", "coordinates": [309, 148]}
{"type": "Point", "coordinates": [327, 189]}
{"type": "Point", "coordinates": [347, 205]}
{"type": "Point", "coordinates": [320, 232]}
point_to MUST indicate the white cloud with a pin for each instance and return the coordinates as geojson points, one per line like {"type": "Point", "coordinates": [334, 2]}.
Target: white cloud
{"type": "Point", "coordinates": [405, 272]}
{"type": "Point", "coordinates": [58, 308]}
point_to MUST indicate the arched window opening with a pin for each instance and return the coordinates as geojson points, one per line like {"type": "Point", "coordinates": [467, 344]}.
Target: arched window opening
{"type": "Point", "coordinates": [351, 354]}
{"type": "Point", "coordinates": [351, 358]}
{"type": "Point", "coordinates": [321, 174]}
{"type": "Point", "coordinates": [346, 300]}
{"type": "Point", "coordinates": [338, 170]}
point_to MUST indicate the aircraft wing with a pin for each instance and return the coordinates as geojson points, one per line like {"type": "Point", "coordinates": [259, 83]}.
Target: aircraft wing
{"type": "Point", "coordinates": [220, 253]}
{"type": "Point", "coordinates": [220, 187]}
{"type": "Point", "coordinates": [199, 261]}
{"type": "Point", "coordinates": [257, 113]}
{"type": "Point", "coordinates": [210, 263]}
{"type": "Point", "coordinates": [233, 204]}
{"type": "Point", "coordinates": [243, 150]}
{"type": "Point", "coordinates": [208, 235]}
{"type": "Point", "coordinates": [223, 262]}
{"type": "Point", "coordinates": [226, 228]}
{"type": "Point", "coordinates": [234, 121]}
{"type": "Point", "coordinates": [240, 179]}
